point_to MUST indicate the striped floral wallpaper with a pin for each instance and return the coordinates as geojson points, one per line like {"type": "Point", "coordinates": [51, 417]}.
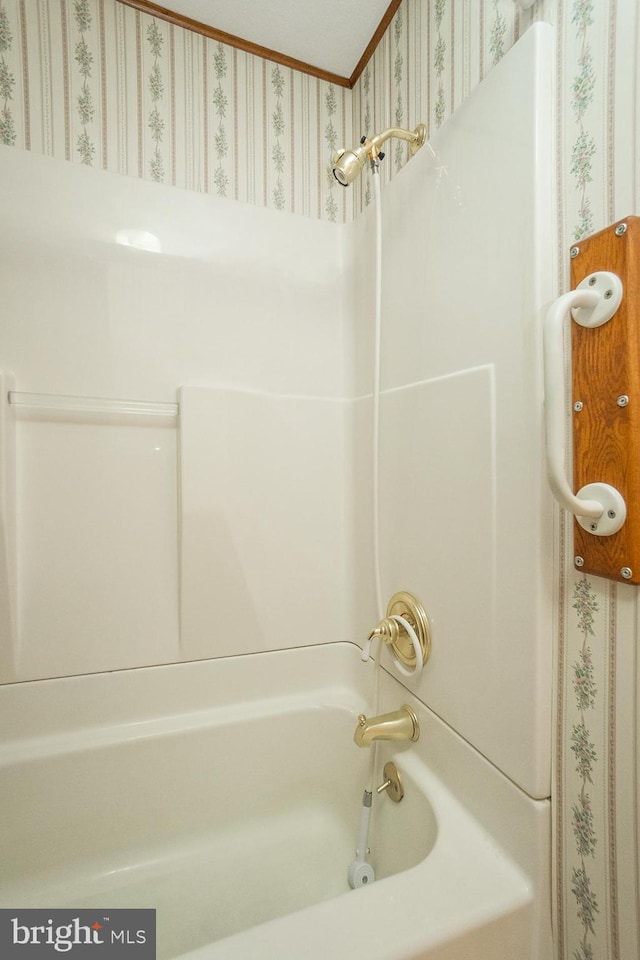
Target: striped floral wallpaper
{"type": "Point", "coordinates": [596, 813]}
{"type": "Point", "coordinates": [95, 82]}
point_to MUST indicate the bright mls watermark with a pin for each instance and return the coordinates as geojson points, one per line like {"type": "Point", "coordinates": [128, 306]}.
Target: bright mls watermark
{"type": "Point", "coordinates": [78, 934]}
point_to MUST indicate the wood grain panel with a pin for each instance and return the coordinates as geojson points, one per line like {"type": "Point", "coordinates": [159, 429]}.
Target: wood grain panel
{"type": "Point", "coordinates": [605, 366]}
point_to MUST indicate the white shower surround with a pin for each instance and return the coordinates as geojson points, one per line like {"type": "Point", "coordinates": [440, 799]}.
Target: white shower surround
{"type": "Point", "coordinates": [220, 309]}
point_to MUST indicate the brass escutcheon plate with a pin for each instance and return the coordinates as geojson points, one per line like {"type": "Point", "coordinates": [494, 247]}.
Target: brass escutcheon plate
{"type": "Point", "coordinates": [404, 604]}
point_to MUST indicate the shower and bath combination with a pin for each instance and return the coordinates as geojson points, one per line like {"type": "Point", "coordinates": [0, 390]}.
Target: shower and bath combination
{"type": "Point", "coordinates": [346, 167]}
{"type": "Point", "coordinates": [404, 627]}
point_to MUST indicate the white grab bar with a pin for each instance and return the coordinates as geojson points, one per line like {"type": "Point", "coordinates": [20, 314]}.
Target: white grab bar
{"type": "Point", "coordinates": [554, 402]}
{"type": "Point", "coordinates": [591, 309]}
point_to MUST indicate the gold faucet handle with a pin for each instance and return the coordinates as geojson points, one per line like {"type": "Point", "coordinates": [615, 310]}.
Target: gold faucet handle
{"type": "Point", "coordinates": [388, 629]}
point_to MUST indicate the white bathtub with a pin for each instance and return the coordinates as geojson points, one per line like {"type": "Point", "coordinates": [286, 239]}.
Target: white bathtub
{"type": "Point", "coordinates": [226, 794]}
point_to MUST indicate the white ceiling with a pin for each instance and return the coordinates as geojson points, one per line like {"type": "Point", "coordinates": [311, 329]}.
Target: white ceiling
{"type": "Point", "coordinates": [330, 34]}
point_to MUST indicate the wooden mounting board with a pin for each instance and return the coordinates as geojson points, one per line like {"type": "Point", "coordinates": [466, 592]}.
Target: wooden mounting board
{"type": "Point", "coordinates": [605, 366]}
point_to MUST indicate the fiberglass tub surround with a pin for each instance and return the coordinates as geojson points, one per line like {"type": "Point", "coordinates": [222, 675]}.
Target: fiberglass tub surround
{"type": "Point", "coordinates": [237, 822]}
{"type": "Point", "coordinates": [258, 496]}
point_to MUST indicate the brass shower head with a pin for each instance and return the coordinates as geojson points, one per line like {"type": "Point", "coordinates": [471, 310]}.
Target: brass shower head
{"type": "Point", "coordinates": [347, 164]}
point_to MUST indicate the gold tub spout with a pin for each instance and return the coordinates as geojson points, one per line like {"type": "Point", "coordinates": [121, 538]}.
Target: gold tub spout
{"type": "Point", "coordinates": [402, 724]}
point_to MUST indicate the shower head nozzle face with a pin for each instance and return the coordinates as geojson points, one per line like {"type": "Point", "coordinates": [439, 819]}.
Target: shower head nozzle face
{"type": "Point", "coordinates": [347, 164]}
{"type": "Point", "coordinates": [336, 169]}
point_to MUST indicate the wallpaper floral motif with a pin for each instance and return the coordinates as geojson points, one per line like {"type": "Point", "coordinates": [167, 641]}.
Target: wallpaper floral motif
{"type": "Point", "coordinates": [331, 141]}
{"type": "Point", "coordinates": [366, 89]}
{"type": "Point", "coordinates": [278, 125]}
{"type": "Point", "coordinates": [7, 82]}
{"type": "Point", "coordinates": [96, 82]}
{"type": "Point", "coordinates": [220, 102]}
{"type": "Point", "coordinates": [586, 759]}
{"type": "Point", "coordinates": [155, 87]}
{"type": "Point", "coordinates": [498, 31]}
{"type": "Point", "coordinates": [439, 55]}
{"type": "Point", "coordinates": [583, 90]}
{"type": "Point", "coordinates": [400, 147]}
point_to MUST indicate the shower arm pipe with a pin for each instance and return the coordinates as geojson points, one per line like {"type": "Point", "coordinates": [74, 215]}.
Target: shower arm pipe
{"type": "Point", "coordinates": [415, 138]}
